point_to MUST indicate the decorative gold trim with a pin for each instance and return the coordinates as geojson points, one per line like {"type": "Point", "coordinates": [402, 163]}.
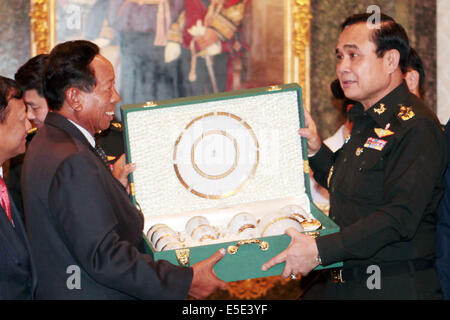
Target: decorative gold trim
{"type": "Point", "coordinates": [224, 195]}
{"type": "Point", "coordinates": [297, 62]}
{"type": "Point", "coordinates": [236, 158]}
{"type": "Point", "coordinates": [246, 226]}
{"type": "Point", "coordinates": [313, 234]}
{"type": "Point", "coordinates": [183, 256]}
{"type": "Point", "coordinates": [275, 221]}
{"type": "Point", "coordinates": [274, 88]}
{"type": "Point", "coordinates": [132, 189]}
{"type": "Point", "coordinates": [306, 166]}
{"type": "Point", "coordinates": [150, 104]}
{"type": "Point", "coordinates": [263, 245]}
{"type": "Point", "coordinates": [42, 23]}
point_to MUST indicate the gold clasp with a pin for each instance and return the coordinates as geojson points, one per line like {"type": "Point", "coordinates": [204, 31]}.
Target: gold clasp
{"type": "Point", "coordinates": [183, 256]}
{"type": "Point", "coordinates": [274, 88]}
{"type": "Point", "coordinates": [149, 104]}
{"type": "Point", "coordinates": [263, 245]}
{"type": "Point", "coordinates": [313, 234]}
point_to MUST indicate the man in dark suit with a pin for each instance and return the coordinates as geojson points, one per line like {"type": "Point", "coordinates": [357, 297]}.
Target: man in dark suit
{"type": "Point", "coordinates": [29, 78]}
{"type": "Point", "coordinates": [17, 274]}
{"type": "Point", "coordinates": [85, 233]}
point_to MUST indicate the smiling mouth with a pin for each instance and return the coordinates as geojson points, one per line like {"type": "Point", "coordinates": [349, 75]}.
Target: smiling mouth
{"type": "Point", "coordinates": [110, 113]}
{"type": "Point", "coordinates": [347, 83]}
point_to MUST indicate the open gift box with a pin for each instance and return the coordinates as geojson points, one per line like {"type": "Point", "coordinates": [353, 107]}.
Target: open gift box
{"type": "Point", "coordinates": [214, 157]}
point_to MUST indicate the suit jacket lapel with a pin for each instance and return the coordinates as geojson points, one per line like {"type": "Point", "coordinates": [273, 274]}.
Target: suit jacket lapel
{"type": "Point", "coordinates": [21, 232]}
{"type": "Point", "coordinates": [56, 120]}
{"type": "Point", "coordinates": [14, 241]}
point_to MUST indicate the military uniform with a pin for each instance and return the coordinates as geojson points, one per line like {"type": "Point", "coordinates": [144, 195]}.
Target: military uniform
{"type": "Point", "coordinates": [385, 184]}
{"type": "Point", "coordinates": [111, 140]}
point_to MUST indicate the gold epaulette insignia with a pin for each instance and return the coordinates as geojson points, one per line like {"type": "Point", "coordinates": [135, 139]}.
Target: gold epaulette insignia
{"type": "Point", "coordinates": [329, 176]}
{"type": "Point", "coordinates": [32, 130]}
{"type": "Point", "coordinates": [116, 125]}
{"type": "Point", "coordinates": [380, 110]}
{"type": "Point", "coordinates": [406, 113]}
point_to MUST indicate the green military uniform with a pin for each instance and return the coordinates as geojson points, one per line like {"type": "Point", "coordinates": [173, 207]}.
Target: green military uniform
{"type": "Point", "coordinates": [385, 184]}
{"type": "Point", "coordinates": [111, 140]}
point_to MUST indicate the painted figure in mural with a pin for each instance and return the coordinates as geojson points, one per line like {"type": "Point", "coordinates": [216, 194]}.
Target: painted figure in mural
{"type": "Point", "coordinates": [142, 27]}
{"type": "Point", "coordinates": [205, 38]}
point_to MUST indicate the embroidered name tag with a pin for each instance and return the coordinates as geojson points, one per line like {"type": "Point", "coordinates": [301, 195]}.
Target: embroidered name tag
{"type": "Point", "coordinates": [376, 144]}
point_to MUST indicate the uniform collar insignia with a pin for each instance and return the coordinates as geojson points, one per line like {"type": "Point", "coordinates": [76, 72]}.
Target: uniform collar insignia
{"type": "Point", "coordinates": [406, 113]}
{"type": "Point", "coordinates": [381, 109]}
{"type": "Point", "coordinates": [116, 125]}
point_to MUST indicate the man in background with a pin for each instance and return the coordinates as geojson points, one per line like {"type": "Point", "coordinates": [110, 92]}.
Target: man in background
{"type": "Point", "coordinates": [29, 79]}
{"type": "Point", "coordinates": [17, 274]}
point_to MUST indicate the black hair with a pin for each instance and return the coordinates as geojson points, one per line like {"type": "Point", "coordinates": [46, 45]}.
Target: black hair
{"type": "Point", "coordinates": [30, 75]}
{"type": "Point", "coordinates": [387, 36]}
{"type": "Point", "coordinates": [9, 89]}
{"type": "Point", "coordinates": [415, 63]}
{"type": "Point", "coordinates": [68, 66]}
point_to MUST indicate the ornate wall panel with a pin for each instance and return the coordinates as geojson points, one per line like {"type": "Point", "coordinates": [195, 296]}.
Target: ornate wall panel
{"type": "Point", "coordinates": [14, 35]}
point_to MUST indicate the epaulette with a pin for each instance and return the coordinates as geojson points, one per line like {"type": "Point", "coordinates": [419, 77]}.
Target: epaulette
{"type": "Point", "coordinates": [405, 113]}
{"type": "Point", "coordinates": [31, 133]}
{"type": "Point", "coordinates": [116, 125]}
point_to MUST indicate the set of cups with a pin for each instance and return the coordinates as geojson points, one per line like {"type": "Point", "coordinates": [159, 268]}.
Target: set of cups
{"type": "Point", "coordinates": [244, 225]}
{"type": "Point", "coordinates": [164, 237]}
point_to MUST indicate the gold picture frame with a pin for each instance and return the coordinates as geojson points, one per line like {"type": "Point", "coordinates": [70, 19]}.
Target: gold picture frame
{"type": "Point", "coordinates": [296, 38]}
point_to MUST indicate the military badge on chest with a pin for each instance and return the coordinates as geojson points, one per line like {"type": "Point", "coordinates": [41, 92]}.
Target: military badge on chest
{"type": "Point", "coordinates": [373, 143]}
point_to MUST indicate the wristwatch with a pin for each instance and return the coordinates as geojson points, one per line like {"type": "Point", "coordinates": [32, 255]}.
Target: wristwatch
{"type": "Point", "coordinates": [318, 259]}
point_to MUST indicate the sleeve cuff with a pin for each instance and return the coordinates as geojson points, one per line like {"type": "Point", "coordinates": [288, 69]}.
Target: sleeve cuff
{"type": "Point", "coordinates": [331, 248]}
{"type": "Point", "coordinates": [321, 161]}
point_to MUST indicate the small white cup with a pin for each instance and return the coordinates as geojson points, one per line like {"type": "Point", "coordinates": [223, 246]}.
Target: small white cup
{"type": "Point", "coordinates": [277, 223]}
{"type": "Point", "coordinates": [162, 233]}
{"type": "Point", "coordinates": [296, 211]}
{"type": "Point", "coordinates": [242, 224]}
{"type": "Point", "coordinates": [153, 228]}
{"type": "Point", "coordinates": [307, 220]}
{"type": "Point", "coordinates": [194, 223]}
{"type": "Point", "coordinates": [168, 242]}
{"type": "Point", "coordinates": [204, 232]}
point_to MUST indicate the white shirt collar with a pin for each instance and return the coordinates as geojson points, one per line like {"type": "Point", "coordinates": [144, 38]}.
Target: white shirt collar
{"type": "Point", "coordinates": [86, 133]}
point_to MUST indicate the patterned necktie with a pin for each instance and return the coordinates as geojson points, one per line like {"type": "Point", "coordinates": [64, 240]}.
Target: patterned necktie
{"type": "Point", "coordinates": [4, 200]}
{"type": "Point", "coordinates": [101, 153]}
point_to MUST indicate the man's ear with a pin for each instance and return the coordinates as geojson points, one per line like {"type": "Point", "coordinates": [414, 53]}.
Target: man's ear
{"type": "Point", "coordinates": [392, 60]}
{"type": "Point", "coordinates": [412, 80]}
{"type": "Point", "coordinates": [73, 98]}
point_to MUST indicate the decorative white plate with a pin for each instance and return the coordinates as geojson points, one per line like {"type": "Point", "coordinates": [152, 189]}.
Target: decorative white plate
{"type": "Point", "coordinates": [215, 155]}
